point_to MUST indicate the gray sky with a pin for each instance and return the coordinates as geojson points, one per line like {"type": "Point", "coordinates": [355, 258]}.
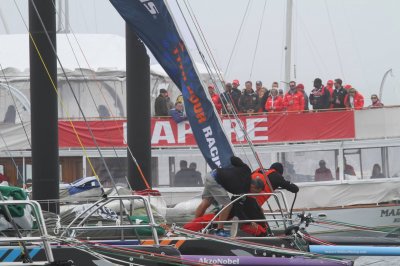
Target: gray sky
{"type": "Point", "coordinates": [359, 42]}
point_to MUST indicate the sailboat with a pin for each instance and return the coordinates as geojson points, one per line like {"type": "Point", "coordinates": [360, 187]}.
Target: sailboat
{"type": "Point", "coordinates": [212, 158]}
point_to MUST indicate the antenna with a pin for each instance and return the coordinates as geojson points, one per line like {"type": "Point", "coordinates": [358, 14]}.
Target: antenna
{"type": "Point", "coordinates": [383, 82]}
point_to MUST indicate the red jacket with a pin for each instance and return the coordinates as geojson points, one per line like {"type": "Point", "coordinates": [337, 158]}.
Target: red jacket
{"type": "Point", "coordinates": [294, 102]}
{"type": "Point", "coordinates": [277, 103]}
{"type": "Point", "coordinates": [358, 101]}
{"type": "Point", "coordinates": [217, 102]}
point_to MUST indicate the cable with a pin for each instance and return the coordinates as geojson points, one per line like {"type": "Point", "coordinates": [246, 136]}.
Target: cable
{"type": "Point", "coordinates": [237, 37]}
{"type": "Point", "coordinates": [258, 38]}
{"type": "Point", "coordinates": [334, 40]}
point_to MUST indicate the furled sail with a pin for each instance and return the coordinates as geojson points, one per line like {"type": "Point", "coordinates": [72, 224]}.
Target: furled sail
{"type": "Point", "coordinates": [152, 22]}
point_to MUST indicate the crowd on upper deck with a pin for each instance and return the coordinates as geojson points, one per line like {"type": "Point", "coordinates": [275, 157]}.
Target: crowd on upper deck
{"type": "Point", "coordinates": [248, 100]}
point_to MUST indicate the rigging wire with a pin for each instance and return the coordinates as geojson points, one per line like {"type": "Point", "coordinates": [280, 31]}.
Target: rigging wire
{"type": "Point", "coordinates": [55, 86]}
{"type": "Point", "coordinates": [220, 78]}
{"type": "Point", "coordinates": [100, 87]}
{"type": "Point", "coordinates": [334, 39]}
{"type": "Point", "coordinates": [245, 134]}
{"type": "Point", "coordinates": [313, 48]}
{"type": "Point", "coordinates": [237, 36]}
{"type": "Point", "coordinates": [281, 69]}
{"type": "Point", "coordinates": [258, 39]}
{"type": "Point", "coordinates": [210, 72]}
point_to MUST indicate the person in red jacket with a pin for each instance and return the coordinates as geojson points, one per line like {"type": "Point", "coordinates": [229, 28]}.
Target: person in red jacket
{"type": "Point", "coordinates": [274, 102]}
{"type": "Point", "coordinates": [354, 99]}
{"type": "Point", "coordinates": [293, 100]}
{"type": "Point", "coordinates": [215, 98]}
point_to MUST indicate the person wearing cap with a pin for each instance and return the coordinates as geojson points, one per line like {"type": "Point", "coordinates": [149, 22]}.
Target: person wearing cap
{"type": "Point", "coordinates": [300, 88]}
{"type": "Point", "coordinates": [228, 99]}
{"type": "Point", "coordinates": [293, 99]}
{"type": "Point", "coordinates": [329, 86]}
{"type": "Point", "coordinates": [376, 103]}
{"type": "Point", "coordinates": [215, 98]}
{"type": "Point", "coordinates": [236, 93]}
{"type": "Point", "coordinates": [161, 104]}
{"type": "Point", "coordinates": [338, 95]}
{"type": "Point", "coordinates": [319, 96]}
{"type": "Point", "coordinates": [323, 173]}
{"type": "Point", "coordinates": [249, 102]}
{"type": "Point", "coordinates": [274, 102]}
{"type": "Point", "coordinates": [354, 99]}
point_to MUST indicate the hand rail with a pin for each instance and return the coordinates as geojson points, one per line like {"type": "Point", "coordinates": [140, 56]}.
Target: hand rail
{"type": "Point", "coordinates": [86, 214]}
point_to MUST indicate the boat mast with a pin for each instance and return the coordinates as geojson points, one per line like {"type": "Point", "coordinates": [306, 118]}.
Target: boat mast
{"type": "Point", "coordinates": [288, 46]}
{"type": "Point", "coordinates": [44, 104]}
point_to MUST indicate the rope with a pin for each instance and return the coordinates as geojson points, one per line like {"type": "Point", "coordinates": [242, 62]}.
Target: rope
{"type": "Point", "coordinates": [55, 88]}
{"type": "Point", "coordinates": [105, 99]}
{"type": "Point", "coordinates": [234, 113]}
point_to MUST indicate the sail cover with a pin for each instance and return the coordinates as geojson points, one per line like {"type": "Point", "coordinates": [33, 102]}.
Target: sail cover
{"type": "Point", "coordinates": [153, 23]}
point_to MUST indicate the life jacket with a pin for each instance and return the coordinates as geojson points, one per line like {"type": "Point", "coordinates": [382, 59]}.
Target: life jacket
{"type": "Point", "coordinates": [261, 199]}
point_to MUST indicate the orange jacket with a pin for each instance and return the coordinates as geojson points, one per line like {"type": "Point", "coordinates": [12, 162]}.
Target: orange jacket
{"type": "Point", "coordinates": [294, 102]}
{"type": "Point", "coordinates": [258, 174]}
{"type": "Point", "coordinates": [358, 101]}
{"type": "Point", "coordinates": [277, 103]}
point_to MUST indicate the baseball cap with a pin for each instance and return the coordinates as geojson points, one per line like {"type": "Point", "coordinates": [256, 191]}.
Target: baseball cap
{"type": "Point", "coordinates": [163, 91]}
{"type": "Point", "coordinates": [258, 83]}
{"type": "Point", "coordinates": [330, 82]}
{"type": "Point", "coordinates": [300, 86]}
{"type": "Point", "coordinates": [236, 82]}
{"type": "Point", "coordinates": [211, 86]}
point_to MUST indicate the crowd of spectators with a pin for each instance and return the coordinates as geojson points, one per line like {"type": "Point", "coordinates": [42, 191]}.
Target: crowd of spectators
{"type": "Point", "coordinates": [329, 96]}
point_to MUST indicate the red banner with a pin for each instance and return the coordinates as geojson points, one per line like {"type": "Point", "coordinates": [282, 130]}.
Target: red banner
{"type": "Point", "coordinates": [262, 129]}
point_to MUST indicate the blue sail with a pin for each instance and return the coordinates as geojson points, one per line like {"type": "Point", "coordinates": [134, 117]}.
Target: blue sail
{"type": "Point", "coordinates": [152, 22]}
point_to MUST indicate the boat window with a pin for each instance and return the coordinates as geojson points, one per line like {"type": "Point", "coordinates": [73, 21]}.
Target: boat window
{"type": "Point", "coordinates": [187, 170]}
{"type": "Point", "coordinates": [309, 166]}
{"type": "Point", "coordinates": [116, 166]}
{"type": "Point", "coordinates": [372, 163]}
{"type": "Point", "coordinates": [352, 164]}
{"type": "Point", "coordinates": [249, 158]}
{"type": "Point", "coordinates": [393, 161]}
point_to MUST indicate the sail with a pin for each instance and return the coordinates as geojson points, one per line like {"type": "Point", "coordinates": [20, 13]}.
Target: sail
{"type": "Point", "coordinates": [153, 23]}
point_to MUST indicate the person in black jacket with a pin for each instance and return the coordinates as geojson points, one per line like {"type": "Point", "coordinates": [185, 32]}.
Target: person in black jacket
{"type": "Point", "coordinates": [161, 107]}
{"type": "Point", "coordinates": [338, 95]}
{"type": "Point", "coordinates": [319, 96]}
{"type": "Point", "coordinates": [221, 181]}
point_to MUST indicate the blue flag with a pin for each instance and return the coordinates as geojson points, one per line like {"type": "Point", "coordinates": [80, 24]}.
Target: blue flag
{"type": "Point", "coordinates": [152, 22]}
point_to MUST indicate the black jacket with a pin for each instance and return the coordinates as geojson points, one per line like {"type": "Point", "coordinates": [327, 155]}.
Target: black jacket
{"type": "Point", "coordinates": [161, 106]}
{"type": "Point", "coordinates": [338, 95]}
{"type": "Point", "coordinates": [320, 98]}
{"type": "Point", "coordinates": [278, 181]}
{"type": "Point", "coordinates": [236, 179]}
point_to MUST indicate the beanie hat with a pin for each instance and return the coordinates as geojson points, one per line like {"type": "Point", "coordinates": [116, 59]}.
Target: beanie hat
{"type": "Point", "coordinates": [278, 167]}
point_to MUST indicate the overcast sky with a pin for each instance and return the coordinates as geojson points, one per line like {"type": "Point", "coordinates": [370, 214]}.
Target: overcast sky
{"type": "Point", "coordinates": [356, 40]}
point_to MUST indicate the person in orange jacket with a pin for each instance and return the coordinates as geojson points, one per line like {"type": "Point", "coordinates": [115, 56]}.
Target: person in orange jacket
{"type": "Point", "coordinates": [354, 99]}
{"type": "Point", "coordinates": [215, 98]}
{"type": "Point", "coordinates": [293, 100]}
{"type": "Point", "coordinates": [274, 102]}
{"type": "Point", "coordinates": [275, 177]}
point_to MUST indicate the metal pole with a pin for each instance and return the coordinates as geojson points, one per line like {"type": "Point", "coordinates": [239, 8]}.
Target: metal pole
{"type": "Point", "coordinates": [288, 46]}
{"type": "Point", "coordinates": [138, 111]}
{"type": "Point", "coordinates": [44, 117]}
